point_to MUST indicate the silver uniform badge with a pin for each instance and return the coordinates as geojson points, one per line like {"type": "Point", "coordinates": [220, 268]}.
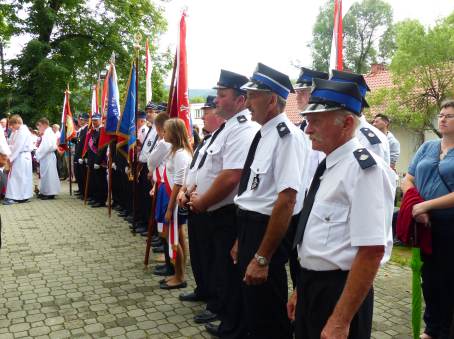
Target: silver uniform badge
{"type": "Point", "coordinates": [363, 157]}
{"type": "Point", "coordinates": [255, 182]}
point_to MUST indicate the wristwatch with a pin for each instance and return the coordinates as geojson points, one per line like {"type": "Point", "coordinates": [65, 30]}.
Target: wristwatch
{"type": "Point", "coordinates": [262, 261]}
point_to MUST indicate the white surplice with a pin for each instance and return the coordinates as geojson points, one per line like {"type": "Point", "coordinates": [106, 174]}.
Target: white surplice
{"type": "Point", "coordinates": [20, 181]}
{"type": "Point", "coordinates": [49, 183]}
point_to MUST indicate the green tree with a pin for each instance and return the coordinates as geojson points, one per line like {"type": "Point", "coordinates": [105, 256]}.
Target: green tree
{"type": "Point", "coordinates": [423, 74]}
{"type": "Point", "coordinates": [71, 42]}
{"type": "Point", "coordinates": [197, 100]}
{"type": "Point", "coordinates": [367, 33]}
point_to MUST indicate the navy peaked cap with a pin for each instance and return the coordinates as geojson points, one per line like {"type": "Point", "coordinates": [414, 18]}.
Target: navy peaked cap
{"type": "Point", "coordinates": [209, 102]}
{"type": "Point", "coordinates": [354, 78]}
{"type": "Point", "coordinates": [141, 115]}
{"type": "Point", "coordinates": [328, 95]}
{"type": "Point", "coordinates": [306, 77]}
{"type": "Point", "coordinates": [267, 79]}
{"type": "Point", "coordinates": [96, 116]}
{"type": "Point", "coordinates": [232, 80]}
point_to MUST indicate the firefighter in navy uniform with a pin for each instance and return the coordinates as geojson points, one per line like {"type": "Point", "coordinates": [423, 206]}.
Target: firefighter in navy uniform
{"type": "Point", "coordinates": [97, 162]}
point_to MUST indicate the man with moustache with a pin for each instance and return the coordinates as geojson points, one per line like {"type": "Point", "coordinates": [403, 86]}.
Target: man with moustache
{"type": "Point", "coordinates": [219, 169]}
{"type": "Point", "coordinates": [344, 230]}
{"type": "Point", "coordinates": [270, 196]}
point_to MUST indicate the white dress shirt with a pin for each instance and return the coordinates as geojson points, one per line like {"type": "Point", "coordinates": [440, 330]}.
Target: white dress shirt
{"type": "Point", "coordinates": [150, 141]}
{"type": "Point", "coordinates": [279, 163]}
{"type": "Point", "coordinates": [141, 133]}
{"type": "Point", "coordinates": [382, 148]}
{"type": "Point", "coordinates": [227, 151]}
{"type": "Point", "coordinates": [353, 207]}
{"type": "Point", "coordinates": [176, 165]}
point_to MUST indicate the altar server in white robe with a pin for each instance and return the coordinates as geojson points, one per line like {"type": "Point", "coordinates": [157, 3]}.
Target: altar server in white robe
{"type": "Point", "coordinates": [49, 185]}
{"type": "Point", "coordinates": [20, 181]}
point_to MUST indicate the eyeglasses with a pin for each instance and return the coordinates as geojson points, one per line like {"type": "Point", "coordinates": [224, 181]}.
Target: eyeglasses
{"type": "Point", "coordinates": [447, 116]}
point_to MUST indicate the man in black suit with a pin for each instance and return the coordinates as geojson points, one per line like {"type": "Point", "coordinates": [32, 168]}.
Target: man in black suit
{"type": "Point", "coordinates": [80, 169]}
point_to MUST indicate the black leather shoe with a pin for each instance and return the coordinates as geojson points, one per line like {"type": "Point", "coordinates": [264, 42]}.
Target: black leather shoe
{"type": "Point", "coordinates": [129, 218]}
{"type": "Point", "coordinates": [213, 329]}
{"type": "Point", "coordinates": [98, 204]}
{"type": "Point", "coordinates": [159, 249]}
{"type": "Point", "coordinates": [123, 214]}
{"type": "Point", "coordinates": [166, 286]}
{"type": "Point", "coordinates": [205, 317]}
{"type": "Point", "coordinates": [46, 197]}
{"type": "Point", "coordinates": [189, 296]}
{"type": "Point", "coordinates": [165, 272]}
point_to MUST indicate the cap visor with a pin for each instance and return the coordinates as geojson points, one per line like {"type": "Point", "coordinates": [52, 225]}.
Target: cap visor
{"type": "Point", "coordinates": [319, 108]}
{"type": "Point", "coordinates": [252, 86]}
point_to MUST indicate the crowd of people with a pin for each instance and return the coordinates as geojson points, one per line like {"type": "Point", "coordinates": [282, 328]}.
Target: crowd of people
{"type": "Point", "coordinates": [257, 192]}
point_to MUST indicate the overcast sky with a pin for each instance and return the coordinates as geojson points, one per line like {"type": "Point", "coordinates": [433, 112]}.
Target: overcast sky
{"type": "Point", "coordinates": [236, 34]}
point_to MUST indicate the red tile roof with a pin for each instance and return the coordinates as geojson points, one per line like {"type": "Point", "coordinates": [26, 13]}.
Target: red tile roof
{"type": "Point", "coordinates": [292, 110]}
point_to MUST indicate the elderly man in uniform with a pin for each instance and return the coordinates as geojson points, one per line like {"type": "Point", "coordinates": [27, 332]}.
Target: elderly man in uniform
{"type": "Point", "coordinates": [144, 185]}
{"type": "Point", "coordinates": [344, 230]}
{"type": "Point", "coordinates": [79, 167]}
{"type": "Point", "coordinates": [369, 136]}
{"type": "Point", "coordinates": [200, 229]}
{"type": "Point", "coordinates": [97, 163]}
{"type": "Point", "coordinates": [270, 194]}
{"type": "Point", "coordinates": [20, 181]}
{"type": "Point", "coordinates": [218, 174]}
{"type": "Point", "coordinates": [49, 184]}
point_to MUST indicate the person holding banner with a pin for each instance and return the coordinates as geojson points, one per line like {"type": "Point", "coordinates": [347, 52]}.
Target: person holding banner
{"type": "Point", "coordinates": [180, 156]}
{"type": "Point", "coordinates": [20, 181]}
{"type": "Point", "coordinates": [97, 163]}
{"type": "Point", "coordinates": [79, 166]}
{"type": "Point", "coordinates": [49, 184]}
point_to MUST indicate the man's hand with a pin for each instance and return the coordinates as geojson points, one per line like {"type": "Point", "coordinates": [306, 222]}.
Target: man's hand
{"type": "Point", "coordinates": [80, 161]}
{"type": "Point", "coordinates": [114, 166]}
{"type": "Point", "coordinates": [291, 305]}
{"type": "Point", "coordinates": [335, 329]}
{"type": "Point", "coordinates": [195, 204]}
{"type": "Point", "coordinates": [96, 166]}
{"type": "Point", "coordinates": [419, 209]}
{"type": "Point", "coordinates": [234, 252]}
{"type": "Point", "coordinates": [255, 274]}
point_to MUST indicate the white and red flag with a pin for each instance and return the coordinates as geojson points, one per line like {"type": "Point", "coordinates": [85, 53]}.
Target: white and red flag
{"type": "Point", "coordinates": [336, 60]}
{"type": "Point", "coordinates": [148, 68]}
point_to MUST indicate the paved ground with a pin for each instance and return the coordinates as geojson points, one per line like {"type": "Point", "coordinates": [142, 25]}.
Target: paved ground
{"type": "Point", "coordinates": [69, 271]}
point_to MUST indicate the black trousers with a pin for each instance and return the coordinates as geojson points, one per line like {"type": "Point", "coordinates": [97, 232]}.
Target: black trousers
{"type": "Point", "coordinates": [78, 176]}
{"type": "Point", "coordinates": [98, 184]}
{"type": "Point", "coordinates": [143, 208]}
{"type": "Point", "coordinates": [225, 281]}
{"type": "Point", "coordinates": [438, 281]}
{"type": "Point", "coordinates": [318, 293]}
{"type": "Point", "coordinates": [201, 249]}
{"type": "Point", "coordinates": [293, 262]}
{"type": "Point", "coordinates": [265, 305]}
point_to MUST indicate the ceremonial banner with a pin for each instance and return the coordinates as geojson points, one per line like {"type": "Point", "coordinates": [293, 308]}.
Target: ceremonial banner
{"type": "Point", "coordinates": [111, 117]}
{"type": "Point", "coordinates": [126, 130]}
{"type": "Point", "coordinates": [94, 110]}
{"type": "Point", "coordinates": [68, 132]}
{"type": "Point", "coordinates": [336, 60]}
{"type": "Point", "coordinates": [179, 104]}
{"type": "Point", "coordinates": [148, 68]}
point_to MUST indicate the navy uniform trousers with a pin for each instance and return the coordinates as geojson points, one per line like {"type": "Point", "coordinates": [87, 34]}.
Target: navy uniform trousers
{"type": "Point", "coordinates": [318, 293]}
{"type": "Point", "coordinates": [265, 305]}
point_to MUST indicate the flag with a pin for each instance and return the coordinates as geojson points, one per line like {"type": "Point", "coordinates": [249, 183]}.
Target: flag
{"type": "Point", "coordinates": [336, 60]}
{"type": "Point", "coordinates": [148, 68]}
{"type": "Point", "coordinates": [112, 100]}
{"type": "Point", "coordinates": [126, 130]}
{"type": "Point", "coordinates": [94, 110]}
{"type": "Point", "coordinates": [179, 107]}
{"type": "Point", "coordinates": [68, 132]}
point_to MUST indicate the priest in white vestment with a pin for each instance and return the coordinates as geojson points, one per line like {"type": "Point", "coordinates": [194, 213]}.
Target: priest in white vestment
{"type": "Point", "coordinates": [20, 180]}
{"type": "Point", "coordinates": [49, 184]}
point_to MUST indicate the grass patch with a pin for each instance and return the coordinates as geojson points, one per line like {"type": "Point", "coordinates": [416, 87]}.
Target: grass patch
{"type": "Point", "coordinates": [401, 255]}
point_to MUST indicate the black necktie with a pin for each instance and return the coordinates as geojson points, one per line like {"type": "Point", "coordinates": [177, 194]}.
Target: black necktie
{"type": "Point", "coordinates": [213, 138]}
{"type": "Point", "coordinates": [154, 143]}
{"type": "Point", "coordinates": [197, 150]}
{"type": "Point", "coordinates": [308, 203]}
{"type": "Point", "coordinates": [247, 164]}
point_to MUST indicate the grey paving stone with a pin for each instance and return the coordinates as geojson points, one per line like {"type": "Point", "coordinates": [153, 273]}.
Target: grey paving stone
{"type": "Point", "coordinates": [73, 272]}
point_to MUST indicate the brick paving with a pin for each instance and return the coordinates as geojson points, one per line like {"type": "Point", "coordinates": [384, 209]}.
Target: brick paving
{"type": "Point", "coordinates": [68, 271]}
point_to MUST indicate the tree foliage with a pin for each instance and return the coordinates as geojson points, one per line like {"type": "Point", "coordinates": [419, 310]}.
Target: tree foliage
{"type": "Point", "coordinates": [367, 32]}
{"type": "Point", "coordinates": [423, 74]}
{"type": "Point", "coordinates": [71, 42]}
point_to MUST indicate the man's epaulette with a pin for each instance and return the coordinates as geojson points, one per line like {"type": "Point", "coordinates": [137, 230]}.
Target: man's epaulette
{"type": "Point", "coordinates": [365, 159]}
{"type": "Point", "coordinates": [241, 118]}
{"type": "Point", "coordinates": [282, 129]}
{"type": "Point", "coordinates": [371, 136]}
